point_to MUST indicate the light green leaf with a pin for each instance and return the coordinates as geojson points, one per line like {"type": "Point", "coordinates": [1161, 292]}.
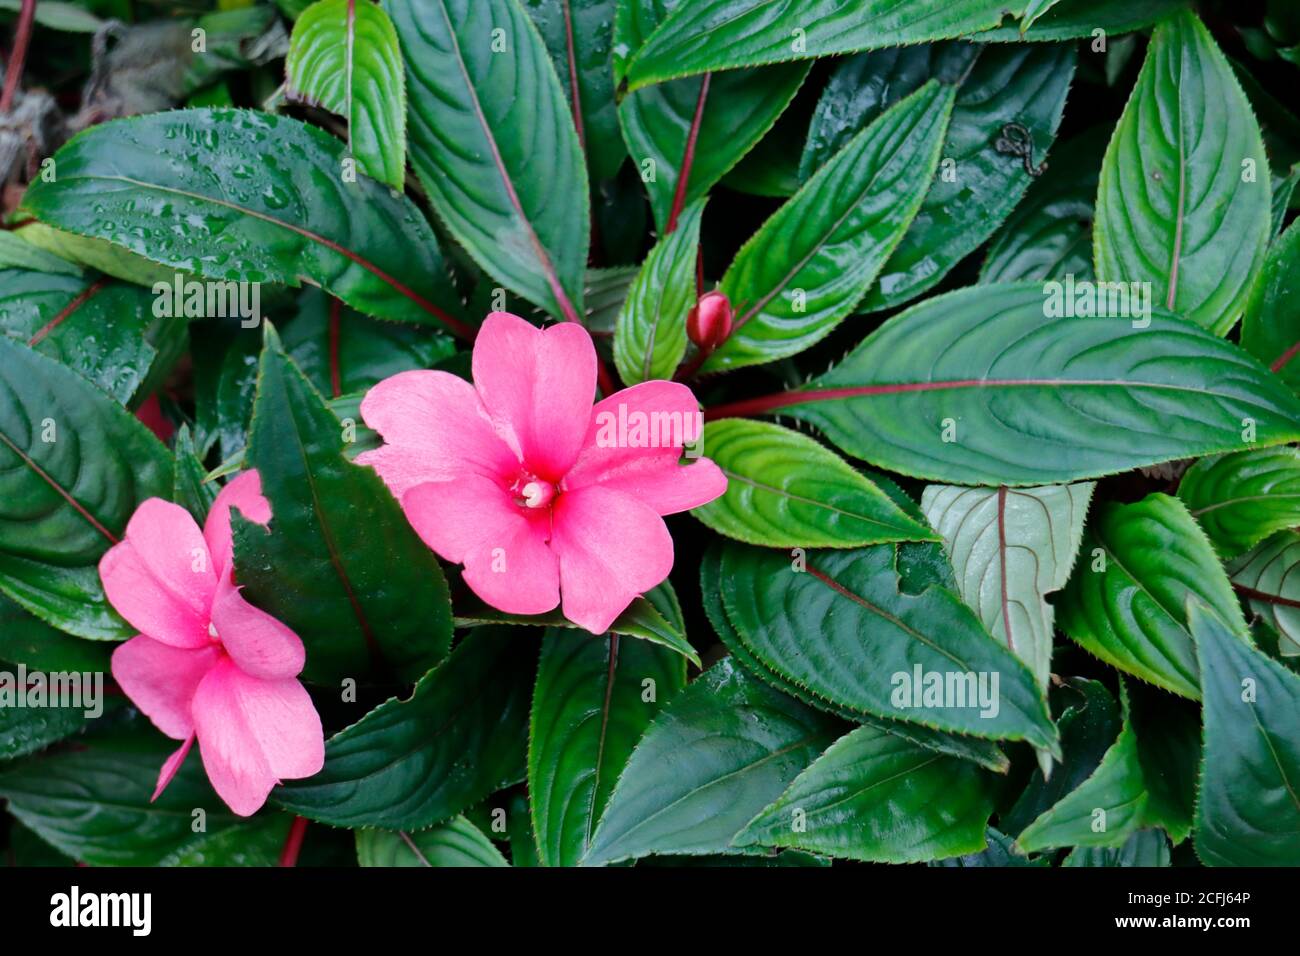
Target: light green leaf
{"type": "Point", "coordinates": [1242, 498]}
{"type": "Point", "coordinates": [650, 338]}
{"type": "Point", "coordinates": [785, 490]}
{"type": "Point", "coordinates": [810, 263]}
{"type": "Point", "coordinates": [1126, 601]}
{"type": "Point", "coordinates": [454, 843]}
{"type": "Point", "coordinates": [344, 57]}
{"type": "Point", "coordinates": [1178, 205]}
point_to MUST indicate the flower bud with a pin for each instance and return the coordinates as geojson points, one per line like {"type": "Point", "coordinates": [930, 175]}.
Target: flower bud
{"type": "Point", "coordinates": [709, 322]}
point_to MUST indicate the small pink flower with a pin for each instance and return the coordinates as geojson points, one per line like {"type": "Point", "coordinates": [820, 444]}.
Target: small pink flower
{"type": "Point", "coordinates": [515, 476]}
{"type": "Point", "coordinates": [709, 322]}
{"type": "Point", "coordinates": [207, 663]}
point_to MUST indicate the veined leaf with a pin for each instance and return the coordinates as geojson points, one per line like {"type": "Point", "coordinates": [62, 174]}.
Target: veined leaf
{"type": "Point", "coordinates": [978, 387]}
{"type": "Point", "coordinates": [1242, 498]}
{"type": "Point", "coordinates": [785, 490]}
{"type": "Point", "coordinates": [873, 796]}
{"type": "Point", "coordinates": [580, 37]}
{"type": "Point", "coordinates": [590, 708]}
{"type": "Point", "coordinates": [1270, 329]}
{"type": "Point", "coordinates": [727, 114]}
{"type": "Point", "coordinates": [1248, 812]}
{"type": "Point", "coordinates": [242, 196]}
{"type": "Point", "coordinates": [454, 843]}
{"type": "Point", "coordinates": [650, 338]}
{"type": "Point", "coordinates": [722, 750]}
{"type": "Point", "coordinates": [74, 465]}
{"type": "Point", "coordinates": [1144, 848]}
{"type": "Point", "coordinates": [106, 331]}
{"type": "Point", "coordinates": [1049, 234]}
{"type": "Point", "coordinates": [811, 262]}
{"type": "Point", "coordinates": [705, 35]}
{"type": "Point", "coordinates": [1003, 123]}
{"type": "Point", "coordinates": [1126, 601]}
{"type": "Point", "coordinates": [1269, 579]}
{"type": "Point", "coordinates": [1178, 205]}
{"type": "Point", "coordinates": [494, 146]}
{"type": "Point", "coordinates": [343, 57]}
{"type": "Point", "coordinates": [410, 763]}
{"type": "Point", "coordinates": [1074, 19]}
{"type": "Point", "coordinates": [1011, 548]}
{"type": "Point", "coordinates": [842, 628]}
{"type": "Point", "coordinates": [340, 564]}
{"type": "Point", "coordinates": [93, 802]}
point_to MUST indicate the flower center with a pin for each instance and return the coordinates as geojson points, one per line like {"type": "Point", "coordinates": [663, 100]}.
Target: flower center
{"type": "Point", "coordinates": [537, 493]}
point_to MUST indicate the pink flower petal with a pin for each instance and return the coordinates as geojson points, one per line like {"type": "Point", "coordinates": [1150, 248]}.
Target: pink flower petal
{"type": "Point", "coordinates": [260, 644]}
{"type": "Point", "coordinates": [645, 464]}
{"type": "Point", "coordinates": [161, 680]}
{"type": "Point", "coordinates": [254, 733]}
{"type": "Point", "coordinates": [435, 428]}
{"type": "Point", "coordinates": [476, 522]}
{"type": "Point", "coordinates": [160, 576]}
{"type": "Point", "coordinates": [170, 766]}
{"type": "Point", "coordinates": [538, 386]}
{"type": "Point", "coordinates": [244, 492]}
{"type": "Point", "coordinates": [612, 548]}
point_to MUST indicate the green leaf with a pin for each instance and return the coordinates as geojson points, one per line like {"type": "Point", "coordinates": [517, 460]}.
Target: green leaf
{"type": "Point", "coordinates": [1001, 851]}
{"type": "Point", "coordinates": [93, 802]}
{"type": "Point", "coordinates": [242, 196]}
{"type": "Point", "coordinates": [1270, 329]}
{"type": "Point", "coordinates": [27, 728]}
{"type": "Point", "coordinates": [188, 487]}
{"type": "Point", "coordinates": [873, 796]}
{"type": "Point", "coordinates": [705, 35]}
{"type": "Point", "coordinates": [589, 711]}
{"type": "Point", "coordinates": [811, 262]}
{"type": "Point", "coordinates": [73, 467]}
{"type": "Point", "coordinates": [1248, 812]}
{"type": "Point", "coordinates": [105, 331]}
{"type": "Point", "coordinates": [1103, 810]}
{"type": "Point", "coordinates": [26, 639]}
{"type": "Point", "coordinates": [494, 146]}
{"type": "Point", "coordinates": [454, 843]}
{"type": "Point", "coordinates": [735, 110]}
{"type": "Point", "coordinates": [785, 490]}
{"type": "Point", "coordinates": [1011, 548]}
{"type": "Point", "coordinates": [64, 17]}
{"type": "Point", "coordinates": [1075, 19]}
{"type": "Point", "coordinates": [1145, 848]}
{"type": "Point", "coordinates": [1033, 10]}
{"type": "Point", "coordinates": [340, 564]}
{"type": "Point", "coordinates": [257, 841]}
{"type": "Point", "coordinates": [983, 752]}
{"type": "Point", "coordinates": [1284, 188]}
{"type": "Point", "coordinates": [18, 253]}
{"type": "Point", "coordinates": [837, 624]}
{"type": "Point", "coordinates": [579, 36]}
{"type": "Point", "coordinates": [1242, 498]}
{"type": "Point", "coordinates": [650, 338]}
{"type": "Point", "coordinates": [642, 619]}
{"type": "Point", "coordinates": [978, 387]}
{"type": "Point", "coordinates": [1003, 123]}
{"type": "Point", "coordinates": [411, 763]}
{"type": "Point", "coordinates": [95, 254]}
{"type": "Point", "coordinates": [1269, 579]}
{"type": "Point", "coordinates": [1174, 208]}
{"type": "Point", "coordinates": [1049, 234]}
{"type": "Point", "coordinates": [718, 753]}
{"type": "Point", "coordinates": [1126, 602]}
{"type": "Point", "coordinates": [343, 57]}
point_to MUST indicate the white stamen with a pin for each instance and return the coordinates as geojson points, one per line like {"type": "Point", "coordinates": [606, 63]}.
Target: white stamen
{"type": "Point", "coordinates": [534, 495]}
{"type": "Point", "coordinates": [212, 631]}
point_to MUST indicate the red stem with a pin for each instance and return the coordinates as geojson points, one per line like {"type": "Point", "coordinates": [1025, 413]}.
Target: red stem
{"type": "Point", "coordinates": [71, 307]}
{"type": "Point", "coordinates": [22, 38]}
{"type": "Point", "coordinates": [293, 842]}
{"type": "Point", "coordinates": [688, 157]}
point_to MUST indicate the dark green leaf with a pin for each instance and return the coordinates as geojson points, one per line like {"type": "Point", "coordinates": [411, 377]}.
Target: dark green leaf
{"type": "Point", "coordinates": [454, 843]}
{"type": "Point", "coordinates": [1270, 329]}
{"type": "Point", "coordinates": [1242, 498]}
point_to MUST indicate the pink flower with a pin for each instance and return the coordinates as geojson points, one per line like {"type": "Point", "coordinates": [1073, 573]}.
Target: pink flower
{"type": "Point", "coordinates": [207, 663]}
{"type": "Point", "coordinates": [542, 497]}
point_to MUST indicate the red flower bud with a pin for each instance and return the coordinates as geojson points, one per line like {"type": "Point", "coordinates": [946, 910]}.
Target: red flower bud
{"type": "Point", "coordinates": [709, 322]}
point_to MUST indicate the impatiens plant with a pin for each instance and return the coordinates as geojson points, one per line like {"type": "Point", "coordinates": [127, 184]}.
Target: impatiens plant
{"type": "Point", "coordinates": [593, 432]}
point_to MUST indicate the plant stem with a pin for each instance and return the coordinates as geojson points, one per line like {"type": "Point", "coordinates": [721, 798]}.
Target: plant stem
{"type": "Point", "coordinates": [293, 842]}
{"type": "Point", "coordinates": [688, 157]}
{"type": "Point", "coordinates": [22, 38]}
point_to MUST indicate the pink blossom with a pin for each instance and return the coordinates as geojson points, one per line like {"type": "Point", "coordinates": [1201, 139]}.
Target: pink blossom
{"type": "Point", "coordinates": [207, 663]}
{"type": "Point", "coordinates": [516, 477]}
